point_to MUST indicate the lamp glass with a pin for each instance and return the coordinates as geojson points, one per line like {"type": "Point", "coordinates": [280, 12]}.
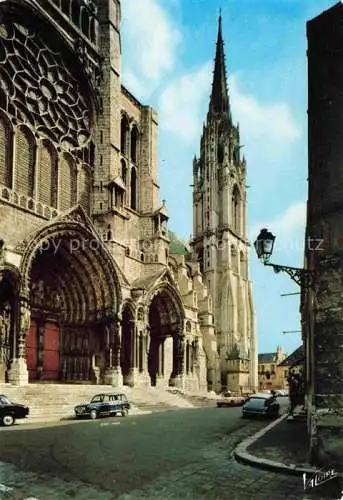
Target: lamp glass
{"type": "Point", "coordinates": [264, 245]}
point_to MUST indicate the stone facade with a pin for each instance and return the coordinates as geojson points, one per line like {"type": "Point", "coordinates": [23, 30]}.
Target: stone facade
{"type": "Point", "coordinates": [89, 290]}
{"type": "Point", "coordinates": [270, 374]}
{"type": "Point", "coordinates": [219, 236]}
{"type": "Point", "coordinates": [322, 303]}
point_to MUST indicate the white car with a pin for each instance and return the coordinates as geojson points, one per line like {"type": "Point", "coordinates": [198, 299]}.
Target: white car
{"type": "Point", "coordinates": [281, 393]}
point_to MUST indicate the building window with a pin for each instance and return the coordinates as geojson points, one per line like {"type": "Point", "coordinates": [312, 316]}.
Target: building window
{"type": "Point", "coordinates": [84, 22]}
{"type": "Point", "coordinates": [133, 187]}
{"type": "Point", "coordinates": [124, 135]}
{"type": "Point", "coordinates": [25, 161]}
{"type": "Point", "coordinates": [134, 144]}
{"type": "Point", "coordinates": [236, 208]}
{"type": "Point", "coordinates": [6, 151]}
{"type": "Point", "coordinates": [47, 175]}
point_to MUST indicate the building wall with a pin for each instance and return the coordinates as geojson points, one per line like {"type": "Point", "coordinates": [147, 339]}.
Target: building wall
{"type": "Point", "coordinates": [324, 225]}
{"type": "Point", "coordinates": [270, 374]}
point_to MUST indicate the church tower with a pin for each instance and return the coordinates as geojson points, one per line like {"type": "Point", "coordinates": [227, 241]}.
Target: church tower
{"type": "Point", "coordinates": [219, 234]}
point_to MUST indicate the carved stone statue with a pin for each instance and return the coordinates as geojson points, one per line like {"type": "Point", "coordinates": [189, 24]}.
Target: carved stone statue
{"type": "Point", "coordinates": [2, 251]}
{"type": "Point", "coordinates": [5, 324]}
{"type": "Point", "coordinates": [24, 319]}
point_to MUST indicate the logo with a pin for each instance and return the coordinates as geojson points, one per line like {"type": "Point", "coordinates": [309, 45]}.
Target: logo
{"type": "Point", "coordinates": [318, 478]}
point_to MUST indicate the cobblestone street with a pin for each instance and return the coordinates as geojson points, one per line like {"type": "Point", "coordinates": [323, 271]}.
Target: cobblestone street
{"type": "Point", "coordinates": [174, 455]}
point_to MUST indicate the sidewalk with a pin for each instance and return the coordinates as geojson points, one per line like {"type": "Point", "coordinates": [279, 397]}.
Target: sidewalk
{"type": "Point", "coordinates": [282, 446]}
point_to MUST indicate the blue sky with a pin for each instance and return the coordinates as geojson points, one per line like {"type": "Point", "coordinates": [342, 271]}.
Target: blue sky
{"type": "Point", "coordinates": [168, 50]}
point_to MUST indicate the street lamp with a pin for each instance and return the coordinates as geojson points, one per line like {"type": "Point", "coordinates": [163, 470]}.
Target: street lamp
{"type": "Point", "coordinates": [264, 245]}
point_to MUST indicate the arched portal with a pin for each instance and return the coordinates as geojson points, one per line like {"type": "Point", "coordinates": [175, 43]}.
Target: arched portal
{"type": "Point", "coordinates": [166, 346]}
{"type": "Point", "coordinates": [9, 287]}
{"type": "Point", "coordinates": [73, 295]}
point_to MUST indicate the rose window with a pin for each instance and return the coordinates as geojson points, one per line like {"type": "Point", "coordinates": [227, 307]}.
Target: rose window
{"type": "Point", "coordinates": [37, 87]}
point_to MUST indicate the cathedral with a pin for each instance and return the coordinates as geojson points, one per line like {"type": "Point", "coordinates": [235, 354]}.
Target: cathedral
{"type": "Point", "coordinates": [219, 234]}
{"type": "Point", "coordinates": [94, 288]}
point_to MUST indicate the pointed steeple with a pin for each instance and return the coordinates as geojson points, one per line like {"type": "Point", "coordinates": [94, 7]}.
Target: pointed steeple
{"type": "Point", "coordinates": [219, 102]}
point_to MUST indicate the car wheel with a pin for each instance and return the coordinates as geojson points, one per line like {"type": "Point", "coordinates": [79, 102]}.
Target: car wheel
{"type": "Point", "coordinates": [93, 414]}
{"type": "Point", "coordinates": [124, 413]}
{"type": "Point", "coordinates": [8, 420]}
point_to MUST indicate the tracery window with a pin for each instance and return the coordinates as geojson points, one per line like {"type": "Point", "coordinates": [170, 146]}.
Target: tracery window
{"type": "Point", "coordinates": [85, 188]}
{"type": "Point", "coordinates": [47, 174]}
{"type": "Point", "coordinates": [68, 182]}
{"type": "Point", "coordinates": [25, 161]}
{"type": "Point", "coordinates": [6, 151]}
{"type": "Point", "coordinates": [40, 92]}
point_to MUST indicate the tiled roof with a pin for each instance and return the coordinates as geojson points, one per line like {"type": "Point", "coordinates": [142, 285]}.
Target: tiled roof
{"type": "Point", "coordinates": [267, 357]}
{"type": "Point", "coordinates": [177, 246]}
{"type": "Point", "coordinates": [296, 358]}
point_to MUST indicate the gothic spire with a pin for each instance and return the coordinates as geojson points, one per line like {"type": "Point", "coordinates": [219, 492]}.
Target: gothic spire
{"type": "Point", "coordinates": [219, 102]}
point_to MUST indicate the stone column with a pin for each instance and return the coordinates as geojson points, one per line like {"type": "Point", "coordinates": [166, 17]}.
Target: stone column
{"type": "Point", "coordinates": [177, 378]}
{"type": "Point", "coordinates": [113, 375]}
{"type": "Point", "coordinates": [133, 371]}
{"type": "Point", "coordinates": [18, 373]}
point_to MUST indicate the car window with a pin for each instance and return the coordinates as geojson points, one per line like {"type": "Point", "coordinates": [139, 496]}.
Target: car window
{"type": "Point", "coordinates": [256, 402]}
{"type": "Point", "coordinates": [97, 398]}
{"type": "Point", "coordinates": [105, 398]}
{"type": "Point", "coordinates": [4, 400]}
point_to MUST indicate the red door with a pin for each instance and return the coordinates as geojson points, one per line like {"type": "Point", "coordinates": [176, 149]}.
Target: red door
{"type": "Point", "coordinates": [51, 364]}
{"type": "Point", "coordinates": [31, 350]}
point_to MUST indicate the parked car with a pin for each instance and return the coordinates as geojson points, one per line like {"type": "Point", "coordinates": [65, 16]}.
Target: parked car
{"type": "Point", "coordinates": [261, 404]}
{"type": "Point", "coordinates": [281, 392]}
{"type": "Point", "coordinates": [10, 412]}
{"type": "Point", "coordinates": [227, 400]}
{"type": "Point", "coordinates": [104, 405]}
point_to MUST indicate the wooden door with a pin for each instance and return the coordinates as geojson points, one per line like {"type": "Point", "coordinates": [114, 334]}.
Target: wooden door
{"type": "Point", "coordinates": [51, 363]}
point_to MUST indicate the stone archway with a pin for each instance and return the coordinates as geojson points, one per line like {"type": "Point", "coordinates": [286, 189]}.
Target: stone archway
{"type": "Point", "coordinates": [166, 339]}
{"type": "Point", "coordinates": [70, 298]}
{"type": "Point", "coordinates": [9, 288]}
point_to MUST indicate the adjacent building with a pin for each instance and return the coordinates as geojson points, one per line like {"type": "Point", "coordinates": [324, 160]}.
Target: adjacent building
{"type": "Point", "coordinates": [270, 375]}
{"type": "Point", "coordinates": [322, 304]}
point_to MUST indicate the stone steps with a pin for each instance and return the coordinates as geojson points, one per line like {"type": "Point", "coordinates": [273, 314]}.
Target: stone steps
{"type": "Point", "coordinates": [57, 401]}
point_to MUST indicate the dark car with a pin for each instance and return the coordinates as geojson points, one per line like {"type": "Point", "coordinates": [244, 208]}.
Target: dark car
{"type": "Point", "coordinates": [261, 404]}
{"type": "Point", "coordinates": [104, 405]}
{"type": "Point", "coordinates": [10, 412]}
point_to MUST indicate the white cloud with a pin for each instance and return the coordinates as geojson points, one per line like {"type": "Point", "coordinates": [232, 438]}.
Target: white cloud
{"type": "Point", "coordinates": [272, 122]}
{"type": "Point", "coordinates": [183, 102]}
{"type": "Point", "coordinates": [289, 228]}
{"type": "Point", "coordinates": [266, 126]}
{"type": "Point", "coordinates": [150, 42]}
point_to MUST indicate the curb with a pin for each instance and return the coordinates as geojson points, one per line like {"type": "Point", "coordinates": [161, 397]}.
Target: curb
{"type": "Point", "coordinates": [242, 455]}
{"type": "Point", "coordinates": [67, 418]}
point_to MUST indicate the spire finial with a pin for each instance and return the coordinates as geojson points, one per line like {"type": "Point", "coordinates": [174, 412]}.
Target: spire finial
{"type": "Point", "coordinates": [219, 97]}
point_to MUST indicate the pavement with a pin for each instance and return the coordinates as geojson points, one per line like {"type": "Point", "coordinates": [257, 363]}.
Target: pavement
{"type": "Point", "coordinates": [283, 447]}
{"type": "Point", "coordinates": [189, 454]}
